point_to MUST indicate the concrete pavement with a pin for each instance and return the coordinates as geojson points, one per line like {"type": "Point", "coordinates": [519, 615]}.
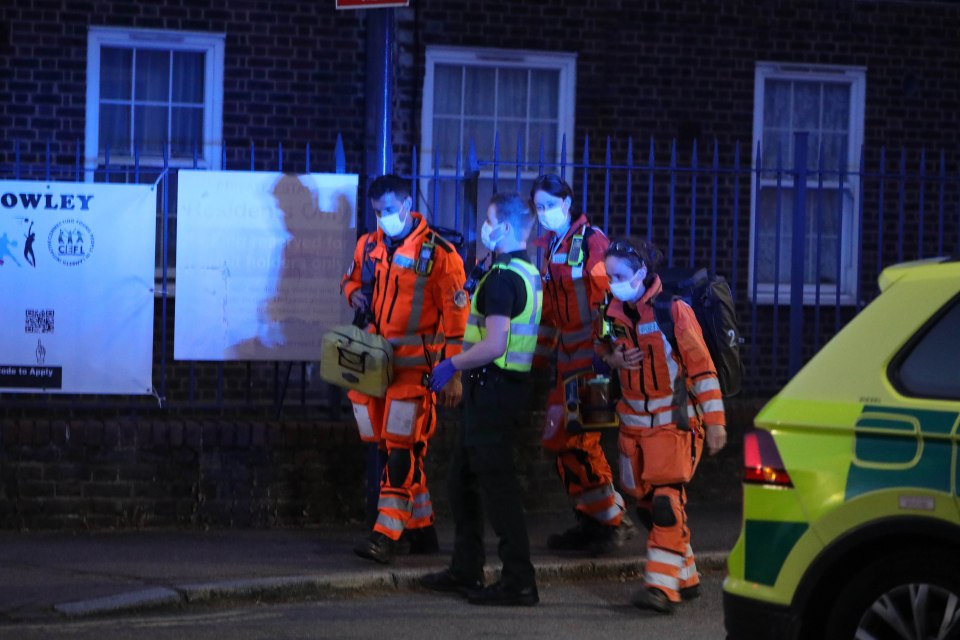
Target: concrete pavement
{"type": "Point", "coordinates": [53, 575]}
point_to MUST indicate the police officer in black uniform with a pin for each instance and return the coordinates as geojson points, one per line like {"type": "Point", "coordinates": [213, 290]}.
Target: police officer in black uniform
{"type": "Point", "coordinates": [498, 353]}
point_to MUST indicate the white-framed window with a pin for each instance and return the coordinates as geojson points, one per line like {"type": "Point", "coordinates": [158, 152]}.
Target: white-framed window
{"type": "Point", "coordinates": [826, 102]}
{"type": "Point", "coordinates": [147, 89]}
{"type": "Point", "coordinates": [476, 94]}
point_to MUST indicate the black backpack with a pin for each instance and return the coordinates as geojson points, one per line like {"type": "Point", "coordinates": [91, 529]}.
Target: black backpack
{"type": "Point", "coordinates": [711, 300]}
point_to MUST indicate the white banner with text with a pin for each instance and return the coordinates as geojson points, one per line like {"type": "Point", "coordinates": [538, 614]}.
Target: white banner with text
{"type": "Point", "coordinates": [76, 287]}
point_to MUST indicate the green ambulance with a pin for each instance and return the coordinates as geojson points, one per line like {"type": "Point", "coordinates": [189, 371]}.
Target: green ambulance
{"type": "Point", "coordinates": [851, 520]}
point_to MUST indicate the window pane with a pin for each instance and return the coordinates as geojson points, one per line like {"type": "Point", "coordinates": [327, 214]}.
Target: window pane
{"type": "Point", "coordinates": [115, 129]}
{"type": "Point", "coordinates": [806, 106]}
{"type": "Point", "coordinates": [931, 367]}
{"type": "Point", "coordinates": [188, 77]}
{"type": "Point", "coordinates": [512, 93]}
{"type": "Point", "coordinates": [776, 147]}
{"type": "Point", "coordinates": [836, 107]}
{"type": "Point", "coordinates": [776, 103]}
{"type": "Point", "coordinates": [446, 138]}
{"type": "Point", "coordinates": [544, 93]}
{"type": "Point", "coordinates": [479, 93]}
{"type": "Point", "coordinates": [826, 237]}
{"type": "Point", "coordinates": [481, 132]}
{"type": "Point", "coordinates": [152, 75]}
{"type": "Point", "coordinates": [447, 87]}
{"type": "Point", "coordinates": [116, 73]}
{"type": "Point", "coordinates": [834, 154]}
{"type": "Point", "coordinates": [186, 131]}
{"type": "Point", "coordinates": [150, 130]}
{"type": "Point", "coordinates": [509, 132]}
{"type": "Point", "coordinates": [546, 132]}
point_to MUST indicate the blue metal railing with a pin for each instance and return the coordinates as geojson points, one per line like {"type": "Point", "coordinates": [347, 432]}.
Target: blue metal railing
{"type": "Point", "coordinates": [694, 209]}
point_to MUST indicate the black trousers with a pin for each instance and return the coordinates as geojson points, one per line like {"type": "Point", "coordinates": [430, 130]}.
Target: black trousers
{"type": "Point", "coordinates": [483, 477]}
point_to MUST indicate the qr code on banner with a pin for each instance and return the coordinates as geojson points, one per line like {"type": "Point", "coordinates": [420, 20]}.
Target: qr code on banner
{"type": "Point", "coordinates": [39, 321]}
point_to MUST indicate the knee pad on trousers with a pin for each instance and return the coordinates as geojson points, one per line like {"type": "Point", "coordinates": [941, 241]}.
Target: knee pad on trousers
{"type": "Point", "coordinates": [662, 512]}
{"type": "Point", "coordinates": [399, 463]}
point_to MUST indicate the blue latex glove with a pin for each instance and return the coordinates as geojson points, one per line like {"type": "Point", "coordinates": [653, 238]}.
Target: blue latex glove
{"type": "Point", "coordinates": [441, 375]}
{"type": "Point", "coordinates": [599, 366]}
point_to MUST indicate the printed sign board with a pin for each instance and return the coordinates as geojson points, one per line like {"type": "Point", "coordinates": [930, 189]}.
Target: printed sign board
{"type": "Point", "coordinates": [259, 261]}
{"type": "Point", "coordinates": [77, 287]}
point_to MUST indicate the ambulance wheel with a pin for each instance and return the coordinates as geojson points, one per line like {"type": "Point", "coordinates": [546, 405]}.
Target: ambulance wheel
{"type": "Point", "coordinates": [910, 595]}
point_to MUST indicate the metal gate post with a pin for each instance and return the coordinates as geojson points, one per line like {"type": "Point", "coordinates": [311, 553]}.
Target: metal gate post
{"type": "Point", "coordinates": [798, 249]}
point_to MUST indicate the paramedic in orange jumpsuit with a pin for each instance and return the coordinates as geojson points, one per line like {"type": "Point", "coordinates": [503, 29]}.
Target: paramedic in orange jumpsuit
{"type": "Point", "coordinates": [418, 304]}
{"type": "Point", "coordinates": [670, 403]}
{"type": "Point", "coordinates": [574, 284]}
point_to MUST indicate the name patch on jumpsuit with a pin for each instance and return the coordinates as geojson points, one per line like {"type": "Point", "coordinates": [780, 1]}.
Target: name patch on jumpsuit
{"type": "Point", "coordinates": [649, 327]}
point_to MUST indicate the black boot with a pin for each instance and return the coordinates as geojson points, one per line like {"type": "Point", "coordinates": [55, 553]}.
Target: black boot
{"type": "Point", "coordinates": [377, 547]}
{"type": "Point", "coordinates": [609, 539]}
{"type": "Point", "coordinates": [423, 541]}
{"type": "Point", "coordinates": [503, 595]}
{"type": "Point", "coordinates": [449, 582]}
{"type": "Point", "coordinates": [576, 538]}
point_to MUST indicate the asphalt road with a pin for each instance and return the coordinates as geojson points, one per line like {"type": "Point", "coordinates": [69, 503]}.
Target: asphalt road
{"type": "Point", "coordinates": [567, 610]}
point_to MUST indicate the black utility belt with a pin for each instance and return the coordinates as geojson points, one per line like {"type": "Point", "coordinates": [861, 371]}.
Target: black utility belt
{"type": "Point", "coordinates": [491, 372]}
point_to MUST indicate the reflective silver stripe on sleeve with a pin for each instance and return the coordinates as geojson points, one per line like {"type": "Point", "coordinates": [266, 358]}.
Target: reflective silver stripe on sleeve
{"type": "Point", "coordinates": [706, 384]}
{"type": "Point", "coordinates": [711, 406]}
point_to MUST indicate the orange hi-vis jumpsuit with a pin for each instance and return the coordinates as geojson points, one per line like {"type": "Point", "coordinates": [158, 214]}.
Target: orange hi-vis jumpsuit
{"type": "Point", "coordinates": [420, 307]}
{"type": "Point", "coordinates": [573, 288]}
{"type": "Point", "coordinates": [659, 451]}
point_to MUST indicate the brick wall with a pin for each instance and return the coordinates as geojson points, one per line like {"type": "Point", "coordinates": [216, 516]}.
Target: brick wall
{"type": "Point", "coordinates": [293, 73]}
{"type": "Point", "coordinates": [161, 471]}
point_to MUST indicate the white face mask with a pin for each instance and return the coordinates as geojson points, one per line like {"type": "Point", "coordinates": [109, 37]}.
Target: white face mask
{"type": "Point", "coordinates": [553, 219]}
{"type": "Point", "coordinates": [391, 223]}
{"type": "Point", "coordinates": [625, 291]}
{"type": "Point", "coordinates": [486, 235]}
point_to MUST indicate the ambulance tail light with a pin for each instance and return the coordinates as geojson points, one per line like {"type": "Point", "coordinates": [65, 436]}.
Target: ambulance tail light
{"type": "Point", "coordinates": [761, 461]}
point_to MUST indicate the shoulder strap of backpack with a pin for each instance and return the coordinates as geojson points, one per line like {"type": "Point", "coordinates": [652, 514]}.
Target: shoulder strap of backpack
{"type": "Point", "coordinates": [663, 311]}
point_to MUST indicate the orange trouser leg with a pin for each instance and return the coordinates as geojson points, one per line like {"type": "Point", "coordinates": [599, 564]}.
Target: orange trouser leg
{"type": "Point", "coordinates": [670, 563]}
{"type": "Point", "coordinates": [585, 472]}
{"type": "Point", "coordinates": [422, 515]}
{"type": "Point", "coordinates": [409, 420]}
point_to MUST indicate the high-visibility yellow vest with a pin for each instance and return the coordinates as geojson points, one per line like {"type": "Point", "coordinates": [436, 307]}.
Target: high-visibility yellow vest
{"type": "Point", "coordinates": [522, 331]}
